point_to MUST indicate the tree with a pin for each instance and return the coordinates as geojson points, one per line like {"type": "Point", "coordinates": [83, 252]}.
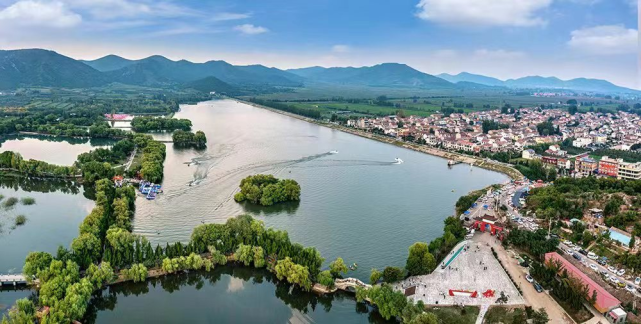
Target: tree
{"type": "Point", "coordinates": [375, 276]}
{"type": "Point", "coordinates": [259, 256]}
{"type": "Point", "coordinates": [35, 262]}
{"type": "Point", "coordinates": [424, 318]}
{"type": "Point", "coordinates": [99, 275]}
{"type": "Point", "coordinates": [87, 249]}
{"type": "Point", "coordinates": [540, 317]}
{"type": "Point", "coordinates": [325, 278]}
{"type": "Point", "coordinates": [420, 261]}
{"type": "Point", "coordinates": [244, 254]}
{"type": "Point", "coordinates": [573, 109]}
{"type": "Point", "coordinates": [392, 274]}
{"type": "Point", "coordinates": [337, 267]}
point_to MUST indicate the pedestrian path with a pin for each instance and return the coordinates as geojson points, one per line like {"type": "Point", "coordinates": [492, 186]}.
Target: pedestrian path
{"type": "Point", "coordinates": [482, 312]}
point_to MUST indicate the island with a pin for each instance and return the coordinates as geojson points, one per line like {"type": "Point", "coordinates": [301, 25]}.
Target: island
{"type": "Point", "coordinates": [189, 139]}
{"type": "Point", "coordinates": [266, 190]}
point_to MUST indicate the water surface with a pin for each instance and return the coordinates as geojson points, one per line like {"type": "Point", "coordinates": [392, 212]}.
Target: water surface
{"type": "Point", "coordinates": [225, 295]}
{"type": "Point", "coordinates": [54, 150]}
{"type": "Point", "coordinates": [357, 204]}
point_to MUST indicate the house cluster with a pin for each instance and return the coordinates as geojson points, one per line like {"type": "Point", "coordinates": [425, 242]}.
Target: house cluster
{"type": "Point", "coordinates": [516, 130]}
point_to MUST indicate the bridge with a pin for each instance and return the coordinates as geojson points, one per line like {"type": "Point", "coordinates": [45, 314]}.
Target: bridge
{"type": "Point", "coordinates": [350, 284]}
{"type": "Point", "coordinates": [16, 279]}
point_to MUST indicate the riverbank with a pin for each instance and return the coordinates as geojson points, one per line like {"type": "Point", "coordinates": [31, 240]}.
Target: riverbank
{"type": "Point", "coordinates": [510, 171]}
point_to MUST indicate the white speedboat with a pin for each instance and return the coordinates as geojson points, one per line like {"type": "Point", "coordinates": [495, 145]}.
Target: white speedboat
{"type": "Point", "coordinates": [333, 152]}
{"type": "Point", "coordinates": [398, 161]}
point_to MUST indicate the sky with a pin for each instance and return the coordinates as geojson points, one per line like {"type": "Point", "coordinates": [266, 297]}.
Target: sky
{"type": "Point", "coordinates": [499, 38]}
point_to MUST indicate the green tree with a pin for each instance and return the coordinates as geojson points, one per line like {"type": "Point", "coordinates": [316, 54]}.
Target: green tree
{"type": "Point", "coordinates": [540, 317]}
{"type": "Point", "coordinates": [392, 274]}
{"type": "Point", "coordinates": [35, 262]}
{"type": "Point", "coordinates": [326, 279]}
{"type": "Point", "coordinates": [337, 267]}
{"type": "Point", "coordinates": [244, 254]}
{"type": "Point", "coordinates": [420, 261]}
{"type": "Point", "coordinates": [375, 276]}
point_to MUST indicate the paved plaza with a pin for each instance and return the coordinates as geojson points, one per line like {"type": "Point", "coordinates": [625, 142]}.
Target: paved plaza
{"type": "Point", "coordinates": [474, 269]}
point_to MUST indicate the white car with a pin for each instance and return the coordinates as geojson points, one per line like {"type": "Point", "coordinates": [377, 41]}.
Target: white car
{"type": "Point", "coordinates": [529, 278]}
{"type": "Point", "coordinates": [629, 288]}
{"type": "Point", "coordinates": [621, 272]}
{"type": "Point", "coordinates": [612, 269]}
{"type": "Point", "coordinates": [606, 276]}
{"type": "Point", "coordinates": [637, 281]}
{"type": "Point", "coordinates": [592, 256]}
{"type": "Point", "coordinates": [593, 267]}
{"type": "Point", "coordinates": [614, 279]}
{"type": "Point", "coordinates": [568, 243]}
{"type": "Point", "coordinates": [576, 248]}
{"type": "Point", "coordinates": [568, 251]}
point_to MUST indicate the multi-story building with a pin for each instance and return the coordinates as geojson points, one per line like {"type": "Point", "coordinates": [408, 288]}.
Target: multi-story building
{"type": "Point", "coordinates": [585, 166]}
{"type": "Point", "coordinates": [629, 171]}
{"type": "Point", "coordinates": [609, 167]}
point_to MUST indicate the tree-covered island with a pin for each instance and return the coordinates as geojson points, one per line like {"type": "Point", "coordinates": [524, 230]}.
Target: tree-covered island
{"type": "Point", "coordinates": [266, 190]}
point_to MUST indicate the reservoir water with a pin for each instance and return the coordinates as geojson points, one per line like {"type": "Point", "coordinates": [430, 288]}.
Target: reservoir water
{"type": "Point", "coordinates": [357, 204]}
{"type": "Point", "coordinates": [54, 150]}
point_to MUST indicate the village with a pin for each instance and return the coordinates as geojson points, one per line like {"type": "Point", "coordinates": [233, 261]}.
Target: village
{"type": "Point", "coordinates": [516, 131]}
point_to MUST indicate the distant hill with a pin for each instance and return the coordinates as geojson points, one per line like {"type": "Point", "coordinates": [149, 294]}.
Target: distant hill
{"type": "Point", "coordinates": [539, 82]}
{"type": "Point", "coordinates": [158, 70]}
{"type": "Point", "coordinates": [210, 84]}
{"type": "Point", "coordinates": [382, 75]}
{"type": "Point", "coordinates": [109, 63]}
{"type": "Point", "coordinates": [35, 67]}
{"type": "Point", "coordinates": [469, 77]}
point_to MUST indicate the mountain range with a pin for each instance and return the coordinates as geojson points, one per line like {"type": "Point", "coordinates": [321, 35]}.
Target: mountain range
{"type": "Point", "coordinates": [37, 67]}
{"type": "Point", "coordinates": [539, 82]}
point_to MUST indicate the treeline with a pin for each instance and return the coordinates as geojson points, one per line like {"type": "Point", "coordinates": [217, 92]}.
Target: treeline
{"type": "Point", "coordinates": [565, 287]}
{"type": "Point", "coordinates": [153, 158]}
{"type": "Point", "coordinates": [465, 202]}
{"type": "Point", "coordinates": [311, 113]}
{"type": "Point", "coordinates": [627, 156]}
{"type": "Point", "coordinates": [150, 123]}
{"type": "Point", "coordinates": [186, 138]}
{"type": "Point", "coordinates": [535, 170]}
{"type": "Point", "coordinates": [267, 190]}
{"type": "Point", "coordinates": [34, 168]}
{"type": "Point", "coordinates": [535, 243]}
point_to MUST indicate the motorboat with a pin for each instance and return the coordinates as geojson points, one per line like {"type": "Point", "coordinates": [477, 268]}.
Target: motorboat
{"type": "Point", "coordinates": [333, 152]}
{"type": "Point", "coordinates": [398, 161]}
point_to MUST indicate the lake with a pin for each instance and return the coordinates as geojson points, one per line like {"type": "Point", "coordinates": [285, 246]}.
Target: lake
{"type": "Point", "coordinates": [54, 150]}
{"type": "Point", "coordinates": [60, 207]}
{"type": "Point", "coordinates": [357, 204]}
{"type": "Point", "coordinates": [225, 295]}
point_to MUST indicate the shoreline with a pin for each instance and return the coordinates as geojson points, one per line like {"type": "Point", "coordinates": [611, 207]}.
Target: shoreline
{"type": "Point", "coordinates": [509, 171]}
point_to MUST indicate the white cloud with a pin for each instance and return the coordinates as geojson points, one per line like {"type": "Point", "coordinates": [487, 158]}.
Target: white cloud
{"type": "Point", "coordinates": [498, 54]}
{"type": "Point", "coordinates": [250, 29]}
{"type": "Point", "coordinates": [605, 40]}
{"type": "Point", "coordinates": [340, 48]}
{"type": "Point", "coordinates": [226, 16]}
{"type": "Point", "coordinates": [111, 9]}
{"type": "Point", "coordinates": [462, 13]}
{"type": "Point", "coordinates": [38, 13]}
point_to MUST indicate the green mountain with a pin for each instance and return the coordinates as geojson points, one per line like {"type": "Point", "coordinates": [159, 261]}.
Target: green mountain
{"type": "Point", "coordinates": [159, 71]}
{"type": "Point", "coordinates": [36, 67]}
{"type": "Point", "coordinates": [382, 75]}
{"type": "Point", "coordinates": [109, 63]}
{"type": "Point", "coordinates": [210, 84]}
{"type": "Point", "coordinates": [469, 77]}
{"type": "Point", "coordinates": [539, 82]}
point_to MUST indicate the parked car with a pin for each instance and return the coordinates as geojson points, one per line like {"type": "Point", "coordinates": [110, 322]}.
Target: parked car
{"type": "Point", "coordinates": [584, 252]}
{"type": "Point", "coordinates": [592, 256]}
{"type": "Point", "coordinates": [606, 277]}
{"type": "Point", "coordinates": [621, 284]}
{"type": "Point", "coordinates": [529, 278]}
{"type": "Point", "coordinates": [568, 243]}
{"type": "Point", "coordinates": [629, 288]}
{"type": "Point", "coordinates": [637, 281]}
{"type": "Point", "coordinates": [593, 267]}
{"type": "Point", "coordinates": [614, 279]}
{"type": "Point", "coordinates": [568, 251]}
{"type": "Point", "coordinates": [577, 256]}
{"type": "Point", "coordinates": [612, 269]}
{"type": "Point", "coordinates": [639, 290]}
{"type": "Point", "coordinates": [602, 262]}
{"type": "Point", "coordinates": [538, 287]}
{"type": "Point", "coordinates": [621, 272]}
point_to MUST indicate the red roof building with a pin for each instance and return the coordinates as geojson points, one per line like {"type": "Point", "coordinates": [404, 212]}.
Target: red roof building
{"type": "Point", "coordinates": [604, 300]}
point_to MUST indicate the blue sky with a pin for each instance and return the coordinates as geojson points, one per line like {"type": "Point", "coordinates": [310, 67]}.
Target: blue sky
{"type": "Point", "coordinates": [500, 38]}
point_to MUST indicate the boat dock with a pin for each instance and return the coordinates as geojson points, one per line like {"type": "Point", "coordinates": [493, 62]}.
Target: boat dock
{"type": "Point", "coordinates": [13, 279]}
